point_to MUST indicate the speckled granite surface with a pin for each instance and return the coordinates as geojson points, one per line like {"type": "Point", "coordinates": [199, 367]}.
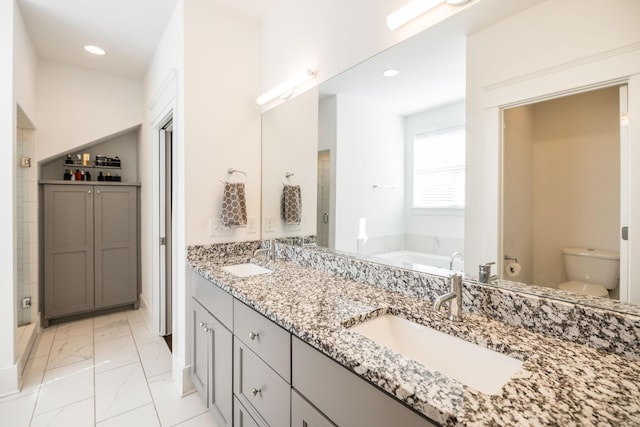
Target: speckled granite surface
{"type": "Point", "coordinates": [577, 318]}
{"type": "Point", "coordinates": [561, 383]}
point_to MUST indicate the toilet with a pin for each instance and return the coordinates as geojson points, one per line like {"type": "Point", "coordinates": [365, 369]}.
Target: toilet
{"type": "Point", "coordinates": [590, 271]}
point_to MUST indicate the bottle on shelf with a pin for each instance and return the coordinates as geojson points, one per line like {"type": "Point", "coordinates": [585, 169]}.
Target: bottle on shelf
{"type": "Point", "coordinates": [100, 176]}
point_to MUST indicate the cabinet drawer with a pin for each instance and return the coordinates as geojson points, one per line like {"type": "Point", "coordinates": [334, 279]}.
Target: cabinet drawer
{"type": "Point", "coordinates": [268, 340]}
{"type": "Point", "coordinates": [215, 300]}
{"type": "Point", "coordinates": [304, 414]}
{"type": "Point", "coordinates": [257, 386]}
{"type": "Point", "coordinates": [241, 417]}
{"type": "Point", "coordinates": [345, 398]}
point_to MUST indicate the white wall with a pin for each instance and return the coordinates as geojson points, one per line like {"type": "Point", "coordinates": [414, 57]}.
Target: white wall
{"type": "Point", "coordinates": [77, 106]}
{"type": "Point", "coordinates": [206, 70]}
{"type": "Point", "coordinates": [17, 65]}
{"type": "Point", "coordinates": [429, 230]}
{"type": "Point", "coordinates": [500, 74]}
{"type": "Point", "coordinates": [8, 368]}
{"type": "Point", "coordinates": [517, 225]}
{"type": "Point", "coordinates": [286, 138]}
{"type": "Point", "coordinates": [370, 143]}
{"type": "Point", "coordinates": [222, 120]}
{"type": "Point", "coordinates": [163, 95]}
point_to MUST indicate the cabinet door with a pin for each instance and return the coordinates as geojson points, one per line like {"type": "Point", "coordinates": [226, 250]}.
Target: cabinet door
{"type": "Point", "coordinates": [303, 414]}
{"type": "Point", "coordinates": [221, 386]}
{"type": "Point", "coordinates": [116, 245]}
{"type": "Point", "coordinates": [200, 350]}
{"type": "Point", "coordinates": [211, 367]}
{"type": "Point", "coordinates": [68, 249]}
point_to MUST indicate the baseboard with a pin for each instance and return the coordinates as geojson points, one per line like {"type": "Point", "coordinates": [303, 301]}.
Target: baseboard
{"type": "Point", "coordinates": [9, 380]}
{"type": "Point", "coordinates": [182, 378]}
{"type": "Point", "coordinates": [147, 313]}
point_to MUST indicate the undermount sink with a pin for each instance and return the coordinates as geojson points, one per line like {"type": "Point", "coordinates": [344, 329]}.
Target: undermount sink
{"type": "Point", "coordinates": [245, 270]}
{"type": "Point", "coordinates": [475, 366]}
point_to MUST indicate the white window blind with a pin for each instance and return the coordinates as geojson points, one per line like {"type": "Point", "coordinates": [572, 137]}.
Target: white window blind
{"type": "Point", "coordinates": [438, 170]}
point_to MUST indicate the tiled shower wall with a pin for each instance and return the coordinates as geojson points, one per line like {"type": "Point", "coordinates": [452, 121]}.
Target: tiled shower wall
{"type": "Point", "coordinates": [26, 223]}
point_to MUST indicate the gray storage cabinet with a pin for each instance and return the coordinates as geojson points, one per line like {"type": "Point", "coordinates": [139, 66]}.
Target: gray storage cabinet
{"type": "Point", "coordinates": [90, 245]}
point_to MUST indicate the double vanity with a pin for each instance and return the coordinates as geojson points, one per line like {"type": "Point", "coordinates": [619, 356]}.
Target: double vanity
{"type": "Point", "coordinates": [301, 346]}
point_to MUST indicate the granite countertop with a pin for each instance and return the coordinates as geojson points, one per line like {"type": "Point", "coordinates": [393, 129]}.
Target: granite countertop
{"type": "Point", "coordinates": [560, 383]}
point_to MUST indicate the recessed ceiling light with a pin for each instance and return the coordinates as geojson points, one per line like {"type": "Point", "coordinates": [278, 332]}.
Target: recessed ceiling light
{"type": "Point", "coordinates": [457, 2]}
{"type": "Point", "coordinates": [391, 72]}
{"type": "Point", "coordinates": [94, 49]}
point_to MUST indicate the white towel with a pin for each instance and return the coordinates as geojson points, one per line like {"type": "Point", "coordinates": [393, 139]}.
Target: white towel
{"type": "Point", "coordinates": [291, 204]}
{"type": "Point", "coordinates": [234, 205]}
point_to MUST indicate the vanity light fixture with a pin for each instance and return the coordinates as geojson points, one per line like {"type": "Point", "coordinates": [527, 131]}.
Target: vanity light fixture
{"type": "Point", "coordinates": [94, 50]}
{"type": "Point", "coordinates": [286, 88]}
{"type": "Point", "coordinates": [391, 72]}
{"type": "Point", "coordinates": [415, 8]}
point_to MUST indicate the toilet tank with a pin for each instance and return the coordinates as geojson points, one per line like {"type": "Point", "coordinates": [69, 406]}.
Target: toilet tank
{"type": "Point", "coordinates": [595, 266]}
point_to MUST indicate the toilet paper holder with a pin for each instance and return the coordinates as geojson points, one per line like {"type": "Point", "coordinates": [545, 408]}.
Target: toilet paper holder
{"type": "Point", "coordinates": [511, 258]}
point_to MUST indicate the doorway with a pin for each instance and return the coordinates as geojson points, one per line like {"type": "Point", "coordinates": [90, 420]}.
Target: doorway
{"type": "Point", "coordinates": [564, 180]}
{"type": "Point", "coordinates": [324, 197]}
{"type": "Point", "coordinates": [166, 227]}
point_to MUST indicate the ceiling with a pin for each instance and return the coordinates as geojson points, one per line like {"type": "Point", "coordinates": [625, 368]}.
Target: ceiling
{"type": "Point", "coordinates": [129, 30]}
{"type": "Point", "coordinates": [431, 64]}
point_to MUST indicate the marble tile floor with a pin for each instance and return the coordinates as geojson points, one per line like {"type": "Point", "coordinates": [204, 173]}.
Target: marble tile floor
{"type": "Point", "coordinates": [105, 371]}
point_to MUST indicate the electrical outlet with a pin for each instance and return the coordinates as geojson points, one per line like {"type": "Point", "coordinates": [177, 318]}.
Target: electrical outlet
{"type": "Point", "coordinates": [26, 302]}
{"type": "Point", "coordinates": [216, 229]}
{"type": "Point", "coordinates": [25, 162]}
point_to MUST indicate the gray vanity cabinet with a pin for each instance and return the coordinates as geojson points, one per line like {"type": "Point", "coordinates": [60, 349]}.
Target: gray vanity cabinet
{"type": "Point", "coordinates": [262, 366]}
{"type": "Point", "coordinates": [212, 348]}
{"type": "Point", "coordinates": [90, 248]}
{"type": "Point", "coordinates": [344, 397]}
{"type": "Point", "coordinates": [304, 414]}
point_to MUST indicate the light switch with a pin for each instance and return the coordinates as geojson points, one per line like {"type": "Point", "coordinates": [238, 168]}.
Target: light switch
{"type": "Point", "coordinates": [268, 224]}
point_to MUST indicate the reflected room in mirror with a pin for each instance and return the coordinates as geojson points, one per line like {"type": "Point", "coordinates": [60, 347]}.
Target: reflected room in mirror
{"type": "Point", "coordinates": [392, 157]}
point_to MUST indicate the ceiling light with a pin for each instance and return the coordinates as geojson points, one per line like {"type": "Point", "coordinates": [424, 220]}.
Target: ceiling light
{"type": "Point", "coordinates": [409, 12]}
{"type": "Point", "coordinates": [415, 8]}
{"type": "Point", "coordinates": [285, 88]}
{"type": "Point", "coordinates": [94, 49]}
{"type": "Point", "coordinates": [391, 72]}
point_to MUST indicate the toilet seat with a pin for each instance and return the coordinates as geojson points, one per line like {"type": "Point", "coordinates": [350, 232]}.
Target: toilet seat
{"type": "Point", "coordinates": [584, 288]}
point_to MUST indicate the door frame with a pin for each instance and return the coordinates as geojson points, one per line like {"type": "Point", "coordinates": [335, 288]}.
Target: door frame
{"type": "Point", "coordinates": [626, 215]}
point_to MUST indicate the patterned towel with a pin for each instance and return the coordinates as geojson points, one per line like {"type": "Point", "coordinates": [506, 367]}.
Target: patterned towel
{"type": "Point", "coordinates": [291, 204]}
{"type": "Point", "coordinates": [234, 205]}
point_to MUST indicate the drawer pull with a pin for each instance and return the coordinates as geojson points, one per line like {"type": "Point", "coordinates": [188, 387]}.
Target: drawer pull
{"type": "Point", "coordinates": [253, 335]}
{"type": "Point", "coordinates": [256, 391]}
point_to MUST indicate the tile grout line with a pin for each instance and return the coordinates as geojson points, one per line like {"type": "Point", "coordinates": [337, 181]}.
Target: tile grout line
{"type": "Point", "coordinates": [135, 343]}
{"type": "Point", "coordinates": [44, 371]}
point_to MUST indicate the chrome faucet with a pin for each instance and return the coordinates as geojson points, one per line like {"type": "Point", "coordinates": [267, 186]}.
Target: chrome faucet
{"type": "Point", "coordinates": [455, 292]}
{"type": "Point", "coordinates": [269, 252]}
{"type": "Point", "coordinates": [484, 275]}
{"type": "Point", "coordinates": [454, 256]}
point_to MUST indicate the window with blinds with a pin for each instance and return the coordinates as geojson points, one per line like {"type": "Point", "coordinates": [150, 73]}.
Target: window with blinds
{"type": "Point", "coordinates": [439, 170]}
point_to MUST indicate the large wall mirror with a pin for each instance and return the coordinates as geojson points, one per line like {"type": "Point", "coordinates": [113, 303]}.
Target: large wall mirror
{"type": "Point", "coordinates": [388, 165]}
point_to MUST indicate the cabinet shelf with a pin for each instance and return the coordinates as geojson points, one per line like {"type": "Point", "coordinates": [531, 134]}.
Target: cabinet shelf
{"type": "Point", "coordinates": [91, 166]}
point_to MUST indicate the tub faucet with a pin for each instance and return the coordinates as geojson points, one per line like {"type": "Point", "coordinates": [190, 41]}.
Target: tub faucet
{"type": "Point", "coordinates": [269, 252]}
{"type": "Point", "coordinates": [454, 256]}
{"type": "Point", "coordinates": [455, 292]}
